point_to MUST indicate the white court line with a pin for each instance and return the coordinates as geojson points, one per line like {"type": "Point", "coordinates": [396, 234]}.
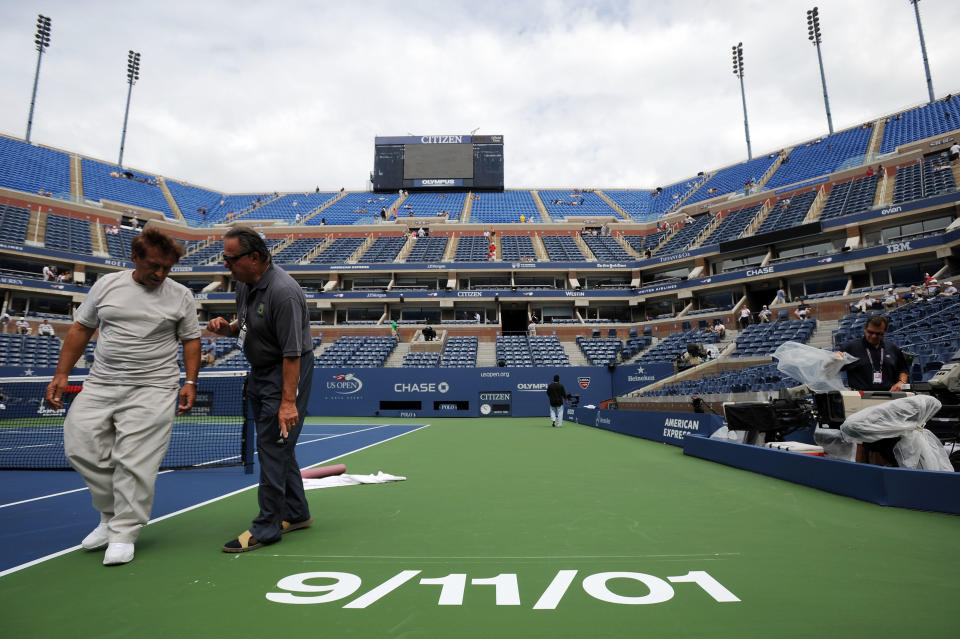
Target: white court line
{"type": "Point", "coordinates": [209, 501]}
{"type": "Point", "coordinates": [164, 472]}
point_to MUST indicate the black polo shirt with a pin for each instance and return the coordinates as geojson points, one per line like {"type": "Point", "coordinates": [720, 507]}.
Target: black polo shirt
{"type": "Point", "coordinates": [887, 358]}
{"type": "Point", "coordinates": [274, 311]}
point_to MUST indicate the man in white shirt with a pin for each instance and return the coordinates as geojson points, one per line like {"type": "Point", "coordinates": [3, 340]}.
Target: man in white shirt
{"type": "Point", "coordinates": [118, 427]}
{"type": "Point", "coordinates": [23, 328]}
{"type": "Point", "coordinates": [48, 273]}
{"type": "Point", "coordinates": [45, 329]}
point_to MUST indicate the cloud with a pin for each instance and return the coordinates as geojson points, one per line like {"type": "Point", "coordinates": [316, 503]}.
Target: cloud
{"type": "Point", "coordinates": [256, 97]}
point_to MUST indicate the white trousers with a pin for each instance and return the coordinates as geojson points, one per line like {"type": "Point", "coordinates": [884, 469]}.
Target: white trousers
{"type": "Point", "coordinates": [556, 415]}
{"type": "Point", "coordinates": [115, 436]}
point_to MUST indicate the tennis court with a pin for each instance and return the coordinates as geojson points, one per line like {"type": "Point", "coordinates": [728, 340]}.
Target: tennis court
{"type": "Point", "coordinates": [504, 527]}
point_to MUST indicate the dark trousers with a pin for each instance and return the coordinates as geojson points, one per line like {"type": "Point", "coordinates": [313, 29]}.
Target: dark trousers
{"type": "Point", "coordinates": [281, 496]}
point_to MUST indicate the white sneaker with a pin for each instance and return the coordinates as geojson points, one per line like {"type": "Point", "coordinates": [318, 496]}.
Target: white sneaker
{"type": "Point", "coordinates": [118, 553]}
{"type": "Point", "coordinates": [96, 539]}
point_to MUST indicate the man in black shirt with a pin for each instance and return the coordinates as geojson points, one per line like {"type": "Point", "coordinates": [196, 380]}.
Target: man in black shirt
{"type": "Point", "coordinates": [880, 366]}
{"type": "Point", "coordinates": [558, 396]}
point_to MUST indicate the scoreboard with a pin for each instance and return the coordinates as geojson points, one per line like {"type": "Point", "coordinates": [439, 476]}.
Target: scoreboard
{"type": "Point", "coordinates": [437, 162]}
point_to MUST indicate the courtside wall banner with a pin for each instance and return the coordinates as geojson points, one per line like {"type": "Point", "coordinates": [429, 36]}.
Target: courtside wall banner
{"type": "Point", "coordinates": [466, 392]}
{"type": "Point", "coordinates": [669, 428]}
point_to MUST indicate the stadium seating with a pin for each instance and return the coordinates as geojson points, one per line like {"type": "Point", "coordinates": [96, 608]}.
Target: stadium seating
{"type": "Point", "coordinates": [427, 249]}
{"type": "Point", "coordinates": [137, 189]}
{"type": "Point", "coordinates": [339, 251]}
{"type": "Point", "coordinates": [68, 234]}
{"type": "Point", "coordinates": [822, 156]}
{"type": "Point", "coordinates": [753, 379]}
{"type": "Point", "coordinates": [733, 225]}
{"type": "Point", "coordinates": [853, 196]}
{"type": "Point", "coordinates": [383, 250]}
{"type": "Point", "coordinates": [28, 350]}
{"type": "Point", "coordinates": [606, 248]}
{"type": "Point", "coordinates": [459, 352]}
{"type": "Point", "coordinates": [922, 122]}
{"type": "Point", "coordinates": [600, 351]}
{"type": "Point", "coordinates": [28, 168]}
{"type": "Point", "coordinates": [13, 223]}
{"type": "Point", "coordinates": [562, 248]}
{"type": "Point", "coordinates": [687, 234]}
{"type": "Point", "coordinates": [787, 212]}
{"type": "Point", "coordinates": [357, 352]}
{"type": "Point", "coordinates": [732, 178]}
{"type": "Point", "coordinates": [297, 250]}
{"type": "Point", "coordinates": [434, 204]}
{"type": "Point", "coordinates": [508, 206]}
{"type": "Point", "coordinates": [636, 204]}
{"type": "Point", "coordinates": [286, 207]}
{"type": "Point", "coordinates": [561, 204]}
{"type": "Point", "coordinates": [472, 248]}
{"type": "Point", "coordinates": [762, 339]}
{"type": "Point", "coordinates": [672, 346]}
{"type": "Point", "coordinates": [354, 208]}
{"type": "Point", "coordinates": [514, 248]}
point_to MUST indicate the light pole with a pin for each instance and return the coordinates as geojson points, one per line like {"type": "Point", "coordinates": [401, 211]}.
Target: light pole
{"type": "Point", "coordinates": [813, 34]}
{"type": "Point", "coordinates": [133, 74]}
{"type": "Point", "coordinates": [42, 40]}
{"type": "Point", "coordinates": [738, 71]}
{"type": "Point", "coordinates": [923, 49]}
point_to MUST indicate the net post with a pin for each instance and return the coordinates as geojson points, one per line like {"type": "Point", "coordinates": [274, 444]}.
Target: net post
{"type": "Point", "coordinates": [247, 437]}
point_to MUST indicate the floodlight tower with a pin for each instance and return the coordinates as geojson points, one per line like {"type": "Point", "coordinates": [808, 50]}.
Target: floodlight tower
{"type": "Point", "coordinates": [738, 71]}
{"type": "Point", "coordinates": [813, 34]}
{"type": "Point", "coordinates": [42, 40]}
{"type": "Point", "coordinates": [133, 74]}
{"type": "Point", "coordinates": [923, 49]}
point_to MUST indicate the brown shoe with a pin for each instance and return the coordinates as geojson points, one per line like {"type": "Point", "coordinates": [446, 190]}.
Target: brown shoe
{"type": "Point", "coordinates": [246, 541]}
{"type": "Point", "coordinates": [290, 526]}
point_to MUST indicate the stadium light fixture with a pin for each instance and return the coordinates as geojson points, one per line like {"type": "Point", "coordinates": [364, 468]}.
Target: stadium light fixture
{"type": "Point", "coordinates": [738, 71]}
{"type": "Point", "coordinates": [813, 34]}
{"type": "Point", "coordinates": [42, 40]}
{"type": "Point", "coordinates": [923, 49]}
{"type": "Point", "coordinates": [133, 74]}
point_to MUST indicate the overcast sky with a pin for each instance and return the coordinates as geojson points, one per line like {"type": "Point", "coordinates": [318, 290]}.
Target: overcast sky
{"type": "Point", "coordinates": [248, 96]}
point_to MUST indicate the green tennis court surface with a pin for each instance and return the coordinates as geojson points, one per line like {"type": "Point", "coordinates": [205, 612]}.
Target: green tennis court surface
{"type": "Point", "coordinates": [511, 528]}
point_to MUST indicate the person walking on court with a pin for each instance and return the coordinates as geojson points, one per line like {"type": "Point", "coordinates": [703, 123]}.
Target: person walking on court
{"type": "Point", "coordinates": [558, 397]}
{"type": "Point", "coordinates": [273, 328]}
{"type": "Point", "coordinates": [118, 428]}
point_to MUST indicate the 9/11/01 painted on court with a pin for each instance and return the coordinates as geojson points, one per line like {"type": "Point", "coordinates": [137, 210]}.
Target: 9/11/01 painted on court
{"type": "Point", "coordinates": [340, 585]}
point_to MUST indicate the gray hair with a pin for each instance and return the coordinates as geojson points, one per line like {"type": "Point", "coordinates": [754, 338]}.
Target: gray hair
{"type": "Point", "coordinates": [249, 240]}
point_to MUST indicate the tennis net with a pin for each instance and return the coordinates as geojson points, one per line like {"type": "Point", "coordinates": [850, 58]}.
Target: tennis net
{"type": "Point", "coordinates": [212, 434]}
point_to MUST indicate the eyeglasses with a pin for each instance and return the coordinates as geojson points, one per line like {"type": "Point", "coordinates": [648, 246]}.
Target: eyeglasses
{"type": "Point", "coordinates": [231, 259]}
{"type": "Point", "coordinates": [876, 333]}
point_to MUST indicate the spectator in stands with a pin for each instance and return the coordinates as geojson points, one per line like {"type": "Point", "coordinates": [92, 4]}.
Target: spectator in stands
{"type": "Point", "coordinates": [23, 328]}
{"type": "Point", "coordinates": [395, 330]}
{"type": "Point", "coordinates": [913, 295]}
{"type": "Point", "coordinates": [948, 290]}
{"type": "Point", "coordinates": [890, 300]}
{"type": "Point", "coordinates": [719, 328]}
{"type": "Point", "coordinates": [476, 317]}
{"type": "Point", "coordinates": [557, 395]}
{"type": "Point", "coordinates": [209, 354]}
{"type": "Point", "coordinates": [297, 218]}
{"type": "Point", "coordinates": [933, 288]}
{"type": "Point", "coordinates": [323, 221]}
{"type": "Point", "coordinates": [45, 329]}
{"type": "Point", "coordinates": [49, 273]}
{"type": "Point", "coordinates": [4, 320]}
{"type": "Point", "coordinates": [764, 315]}
{"type": "Point", "coordinates": [745, 317]}
{"type": "Point", "coordinates": [955, 152]}
{"type": "Point", "coordinates": [803, 310]}
{"type": "Point", "coordinates": [781, 296]}
{"type": "Point", "coordinates": [64, 277]}
{"type": "Point", "coordinates": [865, 304]}
{"type": "Point", "coordinates": [532, 327]}
{"type": "Point", "coordinates": [429, 334]}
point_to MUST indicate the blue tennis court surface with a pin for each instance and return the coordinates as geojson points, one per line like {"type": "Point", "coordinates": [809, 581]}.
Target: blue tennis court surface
{"type": "Point", "coordinates": [49, 512]}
